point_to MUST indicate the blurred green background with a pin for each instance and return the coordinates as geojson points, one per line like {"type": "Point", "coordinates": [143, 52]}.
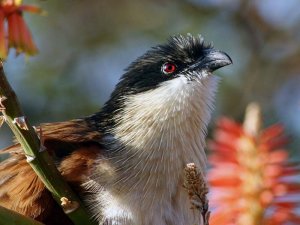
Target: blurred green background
{"type": "Point", "coordinates": [85, 45]}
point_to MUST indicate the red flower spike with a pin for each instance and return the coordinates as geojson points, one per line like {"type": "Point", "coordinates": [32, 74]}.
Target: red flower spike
{"type": "Point", "coordinates": [13, 31]}
{"type": "Point", "coordinates": [252, 182]}
{"type": "Point", "coordinates": [26, 44]}
{"type": "Point", "coordinates": [17, 33]}
{"type": "Point", "coordinates": [3, 44]}
{"type": "Point", "coordinates": [31, 9]}
{"type": "Point", "coordinates": [272, 132]}
{"type": "Point", "coordinates": [278, 156]}
{"type": "Point", "coordinates": [228, 124]}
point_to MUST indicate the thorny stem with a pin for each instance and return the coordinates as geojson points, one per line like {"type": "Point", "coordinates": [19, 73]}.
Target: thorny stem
{"type": "Point", "coordinates": [39, 160]}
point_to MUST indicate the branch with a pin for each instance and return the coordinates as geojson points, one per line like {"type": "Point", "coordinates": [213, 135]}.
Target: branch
{"type": "Point", "coordinates": [37, 157]}
{"type": "Point", "coordinates": [10, 217]}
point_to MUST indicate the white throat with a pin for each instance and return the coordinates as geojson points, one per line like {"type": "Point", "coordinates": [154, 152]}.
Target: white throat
{"type": "Point", "coordinates": [172, 118]}
{"type": "Point", "coordinates": [163, 130]}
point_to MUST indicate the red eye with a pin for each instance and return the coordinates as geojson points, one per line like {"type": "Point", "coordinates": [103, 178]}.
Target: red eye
{"type": "Point", "coordinates": [168, 68]}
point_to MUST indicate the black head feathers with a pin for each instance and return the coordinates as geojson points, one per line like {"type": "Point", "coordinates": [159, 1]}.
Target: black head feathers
{"type": "Point", "coordinates": [179, 49]}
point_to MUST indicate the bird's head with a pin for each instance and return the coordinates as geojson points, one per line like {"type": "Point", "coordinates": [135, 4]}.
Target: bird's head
{"type": "Point", "coordinates": [181, 56]}
{"type": "Point", "coordinates": [165, 71]}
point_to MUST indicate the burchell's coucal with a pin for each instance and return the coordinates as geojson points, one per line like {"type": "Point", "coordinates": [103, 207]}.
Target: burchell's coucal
{"type": "Point", "coordinates": [126, 162]}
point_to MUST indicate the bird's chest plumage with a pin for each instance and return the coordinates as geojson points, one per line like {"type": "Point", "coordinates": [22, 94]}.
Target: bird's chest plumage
{"type": "Point", "coordinates": [150, 198]}
{"type": "Point", "coordinates": [150, 192]}
{"type": "Point", "coordinates": [141, 181]}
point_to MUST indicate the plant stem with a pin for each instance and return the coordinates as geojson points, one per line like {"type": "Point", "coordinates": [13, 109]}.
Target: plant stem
{"type": "Point", "coordinates": [9, 217]}
{"type": "Point", "coordinates": [40, 161]}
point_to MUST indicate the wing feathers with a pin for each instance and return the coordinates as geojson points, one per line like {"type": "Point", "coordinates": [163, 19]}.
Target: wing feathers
{"type": "Point", "coordinates": [20, 188]}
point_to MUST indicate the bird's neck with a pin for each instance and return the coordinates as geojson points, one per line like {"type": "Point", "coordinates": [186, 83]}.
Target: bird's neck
{"type": "Point", "coordinates": [165, 128]}
{"type": "Point", "coordinates": [172, 116]}
{"type": "Point", "coordinates": [155, 135]}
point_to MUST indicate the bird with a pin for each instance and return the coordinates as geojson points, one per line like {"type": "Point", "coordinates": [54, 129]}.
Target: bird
{"type": "Point", "coordinates": [126, 161]}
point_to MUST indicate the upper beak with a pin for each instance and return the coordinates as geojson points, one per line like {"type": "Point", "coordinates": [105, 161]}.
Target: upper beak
{"type": "Point", "coordinates": [213, 60]}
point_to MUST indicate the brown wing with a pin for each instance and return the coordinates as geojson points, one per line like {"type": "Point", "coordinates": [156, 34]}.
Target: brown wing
{"type": "Point", "coordinates": [70, 131]}
{"type": "Point", "coordinates": [20, 188]}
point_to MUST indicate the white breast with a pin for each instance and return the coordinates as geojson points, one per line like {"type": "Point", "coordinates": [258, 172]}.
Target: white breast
{"type": "Point", "coordinates": [164, 130]}
{"type": "Point", "coordinates": [172, 118]}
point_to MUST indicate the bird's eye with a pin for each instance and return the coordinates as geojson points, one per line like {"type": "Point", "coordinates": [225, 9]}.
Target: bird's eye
{"type": "Point", "coordinates": [168, 68]}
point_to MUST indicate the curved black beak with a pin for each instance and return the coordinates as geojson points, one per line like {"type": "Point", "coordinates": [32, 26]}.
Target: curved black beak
{"type": "Point", "coordinates": [213, 59]}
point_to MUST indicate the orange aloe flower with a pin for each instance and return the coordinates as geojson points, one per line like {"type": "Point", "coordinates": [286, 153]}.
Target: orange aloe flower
{"type": "Point", "coordinates": [252, 181]}
{"type": "Point", "coordinates": [14, 32]}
